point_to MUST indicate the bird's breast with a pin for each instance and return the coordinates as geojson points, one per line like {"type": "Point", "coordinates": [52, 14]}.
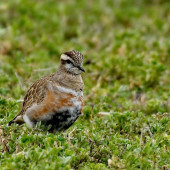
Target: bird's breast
{"type": "Point", "coordinates": [56, 102]}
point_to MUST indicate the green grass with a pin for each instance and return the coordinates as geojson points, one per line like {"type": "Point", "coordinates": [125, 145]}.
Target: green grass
{"type": "Point", "coordinates": [126, 44]}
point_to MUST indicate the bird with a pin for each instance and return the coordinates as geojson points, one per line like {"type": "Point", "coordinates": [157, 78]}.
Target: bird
{"type": "Point", "coordinates": [56, 99]}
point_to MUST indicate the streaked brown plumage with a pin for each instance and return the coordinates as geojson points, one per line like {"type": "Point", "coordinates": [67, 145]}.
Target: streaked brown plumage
{"type": "Point", "coordinates": [56, 99]}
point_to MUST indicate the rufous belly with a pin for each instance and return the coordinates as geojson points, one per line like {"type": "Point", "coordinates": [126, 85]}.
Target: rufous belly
{"type": "Point", "coordinates": [58, 109]}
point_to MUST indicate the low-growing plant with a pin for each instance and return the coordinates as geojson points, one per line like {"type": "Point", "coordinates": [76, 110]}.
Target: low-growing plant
{"type": "Point", "coordinates": [125, 121]}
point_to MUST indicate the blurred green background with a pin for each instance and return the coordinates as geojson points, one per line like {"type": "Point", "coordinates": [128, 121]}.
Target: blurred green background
{"type": "Point", "coordinates": [126, 48]}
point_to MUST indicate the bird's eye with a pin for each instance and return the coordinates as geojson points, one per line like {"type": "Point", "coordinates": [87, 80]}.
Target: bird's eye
{"type": "Point", "coordinates": [68, 61]}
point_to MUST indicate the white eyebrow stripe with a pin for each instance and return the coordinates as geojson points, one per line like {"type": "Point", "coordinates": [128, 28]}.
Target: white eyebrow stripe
{"type": "Point", "coordinates": [66, 57]}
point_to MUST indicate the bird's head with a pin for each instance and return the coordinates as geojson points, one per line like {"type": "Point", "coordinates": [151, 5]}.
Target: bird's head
{"type": "Point", "coordinates": [71, 62]}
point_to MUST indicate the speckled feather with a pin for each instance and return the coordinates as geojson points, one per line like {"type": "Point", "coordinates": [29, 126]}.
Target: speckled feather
{"type": "Point", "coordinates": [36, 93]}
{"type": "Point", "coordinates": [76, 56]}
{"type": "Point", "coordinates": [54, 98]}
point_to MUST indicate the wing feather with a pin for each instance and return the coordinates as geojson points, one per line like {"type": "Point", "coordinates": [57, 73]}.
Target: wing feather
{"type": "Point", "coordinates": [35, 94]}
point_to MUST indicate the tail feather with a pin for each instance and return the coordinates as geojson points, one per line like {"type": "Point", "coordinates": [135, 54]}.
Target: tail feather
{"type": "Point", "coordinates": [11, 122]}
{"type": "Point", "coordinates": [17, 119]}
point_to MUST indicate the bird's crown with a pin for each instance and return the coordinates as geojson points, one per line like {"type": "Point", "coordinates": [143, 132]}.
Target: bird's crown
{"type": "Point", "coordinates": [75, 56]}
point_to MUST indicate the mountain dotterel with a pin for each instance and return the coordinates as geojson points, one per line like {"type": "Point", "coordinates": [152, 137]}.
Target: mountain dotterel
{"type": "Point", "coordinates": [56, 99]}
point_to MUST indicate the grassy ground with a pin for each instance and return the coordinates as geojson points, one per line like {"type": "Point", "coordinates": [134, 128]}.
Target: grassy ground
{"type": "Point", "coordinates": [126, 44]}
